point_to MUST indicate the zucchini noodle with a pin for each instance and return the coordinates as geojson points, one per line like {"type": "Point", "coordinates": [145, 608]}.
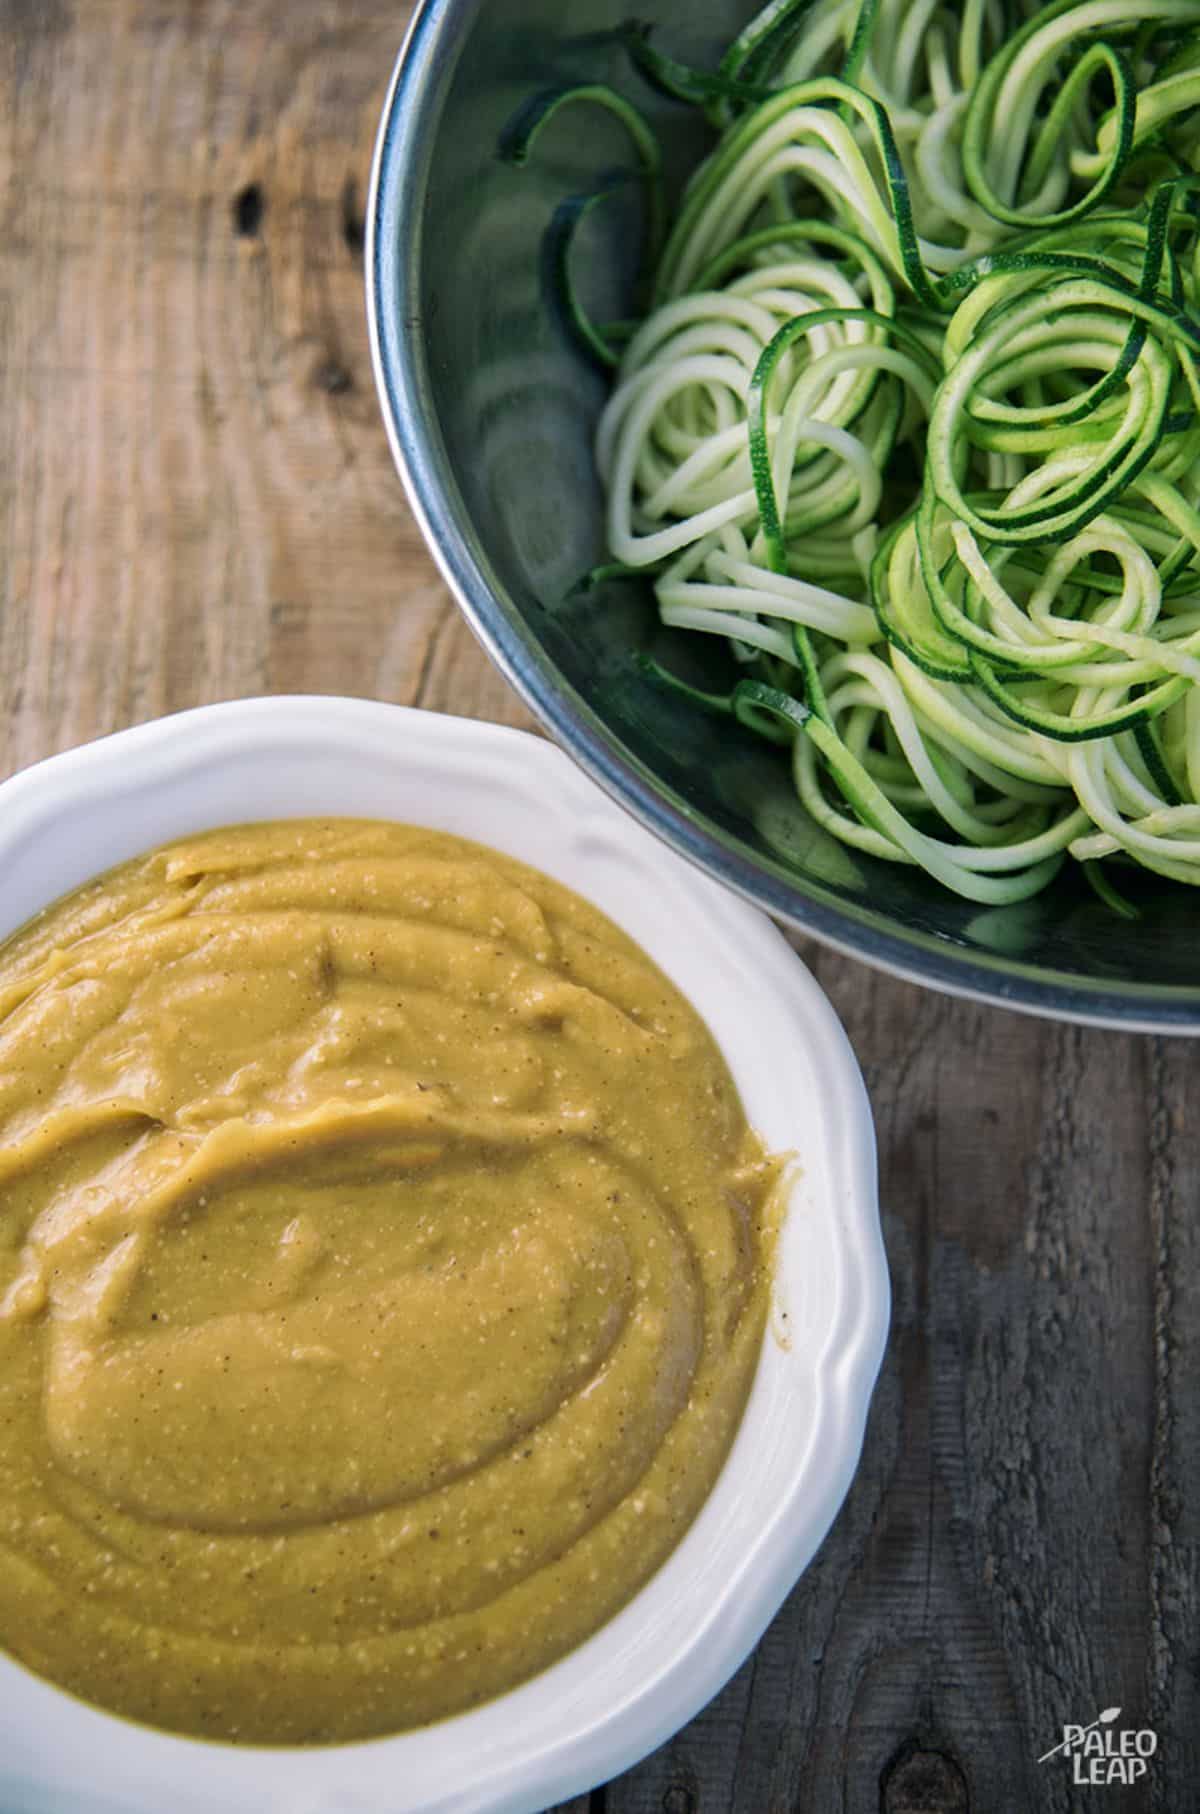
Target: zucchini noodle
{"type": "Point", "coordinates": [912, 422]}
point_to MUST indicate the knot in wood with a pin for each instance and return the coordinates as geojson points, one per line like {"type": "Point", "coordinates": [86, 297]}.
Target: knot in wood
{"type": "Point", "coordinates": [248, 209]}
{"type": "Point", "coordinates": [920, 1780]}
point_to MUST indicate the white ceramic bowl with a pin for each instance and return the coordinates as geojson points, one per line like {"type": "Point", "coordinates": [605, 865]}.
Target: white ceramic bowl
{"type": "Point", "coordinates": [656, 1664]}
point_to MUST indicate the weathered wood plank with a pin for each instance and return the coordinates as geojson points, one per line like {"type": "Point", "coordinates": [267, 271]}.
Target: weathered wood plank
{"type": "Point", "coordinates": [1005, 1558]}
{"type": "Point", "coordinates": [198, 496]}
{"type": "Point", "coordinates": [197, 503]}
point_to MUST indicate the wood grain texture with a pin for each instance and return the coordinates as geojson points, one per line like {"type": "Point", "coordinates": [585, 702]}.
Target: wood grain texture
{"type": "Point", "coordinates": [197, 494]}
{"type": "Point", "coordinates": [1020, 1546]}
{"type": "Point", "coordinates": [198, 503]}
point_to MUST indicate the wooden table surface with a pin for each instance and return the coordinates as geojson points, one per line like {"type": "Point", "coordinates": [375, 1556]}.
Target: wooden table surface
{"type": "Point", "coordinates": [198, 504]}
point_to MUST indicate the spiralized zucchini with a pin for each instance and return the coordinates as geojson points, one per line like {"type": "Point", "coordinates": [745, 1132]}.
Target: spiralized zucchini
{"type": "Point", "coordinates": [913, 422]}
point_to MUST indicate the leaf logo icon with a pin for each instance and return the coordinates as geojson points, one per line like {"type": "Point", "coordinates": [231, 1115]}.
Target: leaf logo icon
{"type": "Point", "coordinates": [1108, 1716]}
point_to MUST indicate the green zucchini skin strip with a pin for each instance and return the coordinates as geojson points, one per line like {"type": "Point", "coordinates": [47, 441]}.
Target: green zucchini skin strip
{"type": "Point", "coordinates": [1112, 897]}
{"type": "Point", "coordinates": [756, 406]}
{"type": "Point", "coordinates": [517, 144]}
{"type": "Point", "coordinates": [556, 264]}
{"type": "Point", "coordinates": [699, 87]}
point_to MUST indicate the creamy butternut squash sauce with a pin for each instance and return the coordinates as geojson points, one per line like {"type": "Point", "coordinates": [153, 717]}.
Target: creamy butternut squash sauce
{"type": "Point", "coordinates": [383, 1267]}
